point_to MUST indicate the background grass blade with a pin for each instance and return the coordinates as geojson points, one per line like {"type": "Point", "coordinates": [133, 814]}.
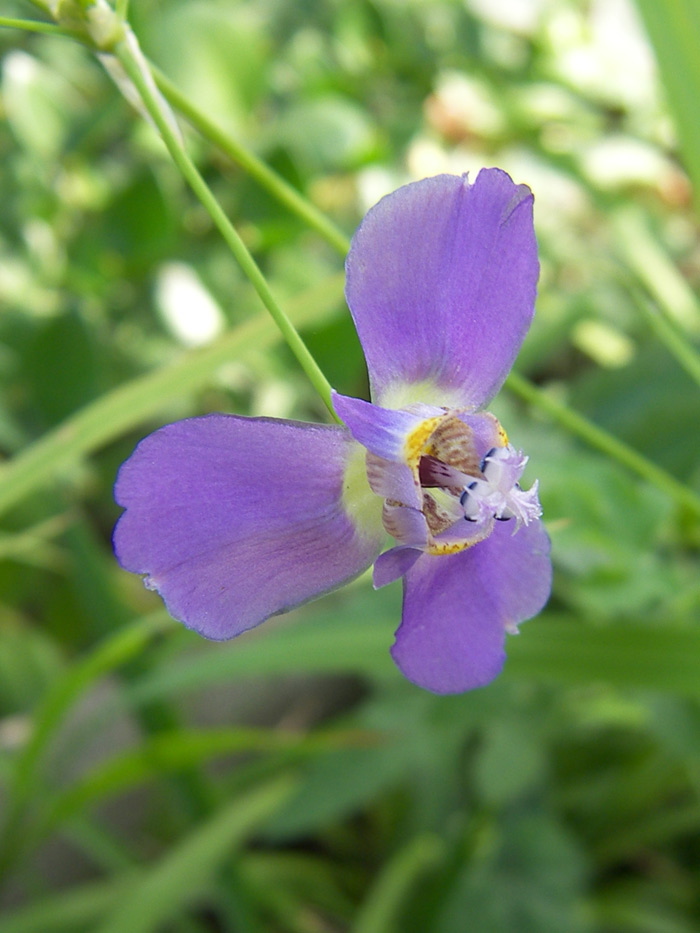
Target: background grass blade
{"type": "Point", "coordinates": [126, 406]}
{"type": "Point", "coordinates": [116, 650]}
{"type": "Point", "coordinates": [177, 750]}
{"type": "Point", "coordinates": [674, 28]}
{"type": "Point", "coordinates": [381, 910]}
{"type": "Point", "coordinates": [168, 886]}
{"type": "Point", "coordinates": [653, 657]}
{"type": "Point", "coordinates": [71, 910]}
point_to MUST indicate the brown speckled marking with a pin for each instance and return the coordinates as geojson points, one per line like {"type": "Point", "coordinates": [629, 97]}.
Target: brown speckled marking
{"type": "Point", "coordinates": [438, 518]}
{"type": "Point", "coordinates": [375, 466]}
{"type": "Point", "coordinates": [389, 518]}
{"type": "Point", "coordinates": [452, 441]}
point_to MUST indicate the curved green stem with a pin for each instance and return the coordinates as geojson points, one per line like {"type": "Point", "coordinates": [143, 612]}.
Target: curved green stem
{"type": "Point", "coordinates": [255, 167]}
{"type": "Point", "coordinates": [597, 437]}
{"type": "Point", "coordinates": [31, 25]}
{"type": "Point", "coordinates": [134, 65]}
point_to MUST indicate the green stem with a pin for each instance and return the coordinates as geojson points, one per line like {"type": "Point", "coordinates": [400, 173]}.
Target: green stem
{"type": "Point", "coordinates": [597, 437]}
{"type": "Point", "coordinates": [255, 167]}
{"type": "Point", "coordinates": [136, 69]}
{"type": "Point", "coordinates": [31, 25]}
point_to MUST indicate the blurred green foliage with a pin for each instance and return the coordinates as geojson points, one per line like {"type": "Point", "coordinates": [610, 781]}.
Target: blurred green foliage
{"type": "Point", "coordinates": [291, 781]}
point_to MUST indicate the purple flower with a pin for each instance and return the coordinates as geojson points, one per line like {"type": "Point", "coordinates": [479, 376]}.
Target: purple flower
{"type": "Point", "coordinates": [237, 519]}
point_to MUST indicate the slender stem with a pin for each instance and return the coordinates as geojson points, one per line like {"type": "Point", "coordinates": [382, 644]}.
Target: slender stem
{"type": "Point", "coordinates": [32, 25]}
{"type": "Point", "coordinates": [597, 437]}
{"type": "Point", "coordinates": [255, 167]}
{"type": "Point", "coordinates": [127, 53]}
{"type": "Point", "coordinates": [122, 9]}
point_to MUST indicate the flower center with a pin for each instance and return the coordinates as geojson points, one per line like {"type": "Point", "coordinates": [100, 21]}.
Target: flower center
{"type": "Point", "coordinates": [458, 485]}
{"type": "Point", "coordinates": [497, 492]}
{"type": "Point", "coordinates": [456, 474]}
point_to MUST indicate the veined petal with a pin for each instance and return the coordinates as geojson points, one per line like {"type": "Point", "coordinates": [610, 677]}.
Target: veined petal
{"type": "Point", "coordinates": [236, 519]}
{"type": "Point", "coordinates": [486, 429]}
{"type": "Point", "coordinates": [393, 564]}
{"type": "Point", "coordinates": [457, 609]}
{"type": "Point", "coordinates": [441, 283]}
{"type": "Point", "coordinates": [392, 480]}
{"type": "Point", "coordinates": [408, 526]}
{"type": "Point", "coordinates": [385, 431]}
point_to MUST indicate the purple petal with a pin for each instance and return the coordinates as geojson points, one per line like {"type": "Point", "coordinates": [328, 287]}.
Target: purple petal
{"type": "Point", "coordinates": [487, 430]}
{"type": "Point", "coordinates": [441, 283]}
{"type": "Point", "coordinates": [457, 609]}
{"type": "Point", "coordinates": [384, 431]}
{"type": "Point", "coordinates": [236, 519]}
{"type": "Point", "coordinates": [393, 564]}
{"type": "Point", "coordinates": [408, 526]}
{"type": "Point", "coordinates": [392, 480]}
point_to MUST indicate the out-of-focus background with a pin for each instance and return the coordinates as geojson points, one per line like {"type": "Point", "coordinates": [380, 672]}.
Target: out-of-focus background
{"type": "Point", "coordinates": [291, 781]}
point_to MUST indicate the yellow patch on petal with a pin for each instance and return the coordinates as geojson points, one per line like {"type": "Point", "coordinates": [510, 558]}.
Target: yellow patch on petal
{"type": "Point", "coordinates": [418, 438]}
{"type": "Point", "coordinates": [362, 505]}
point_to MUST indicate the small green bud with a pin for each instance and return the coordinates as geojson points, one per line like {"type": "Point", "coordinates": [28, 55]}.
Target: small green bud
{"type": "Point", "coordinates": [94, 19]}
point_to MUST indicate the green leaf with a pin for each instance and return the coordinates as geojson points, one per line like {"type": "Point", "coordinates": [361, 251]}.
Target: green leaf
{"type": "Point", "coordinates": [568, 651]}
{"type": "Point", "coordinates": [218, 55]}
{"type": "Point", "coordinates": [38, 102]}
{"type": "Point", "coordinates": [329, 132]}
{"type": "Point", "coordinates": [356, 637]}
{"type": "Point", "coordinates": [511, 761]}
{"type": "Point", "coordinates": [528, 878]}
{"type": "Point", "coordinates": [337, 635]}
{"type": "Point", "coordinates": [29, 661]}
